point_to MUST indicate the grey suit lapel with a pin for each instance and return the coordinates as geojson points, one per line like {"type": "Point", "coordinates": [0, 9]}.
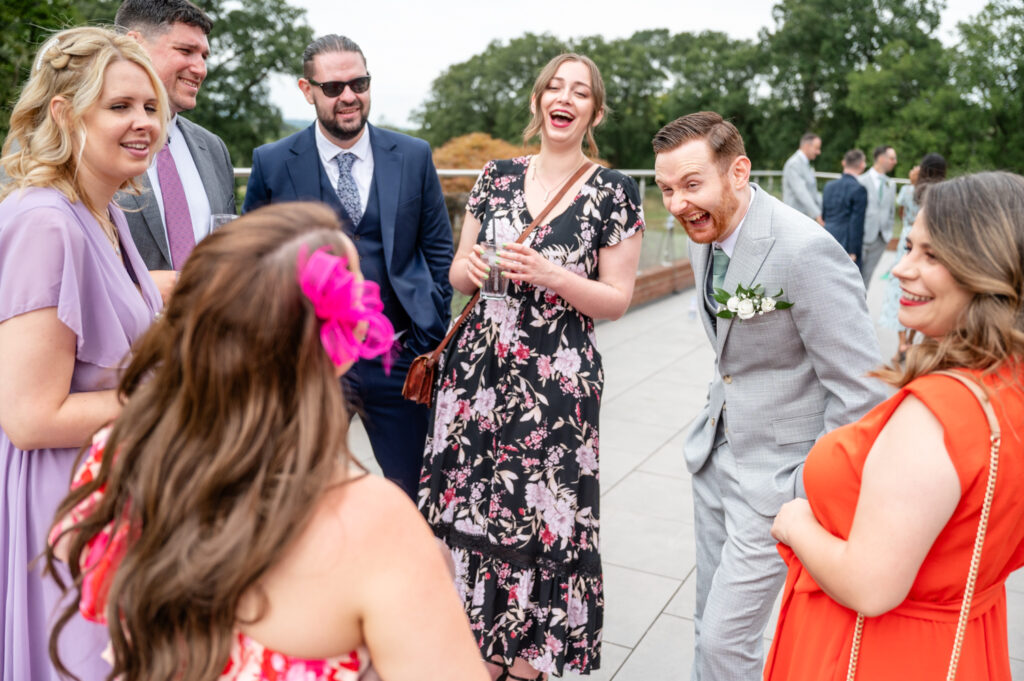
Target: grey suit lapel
{"type": "Point", "coordinates": [700, 255]}
{"type": "Point", "coordinates": [200, 152]}
{"type": "Point", "coordinates": [145, 204]}
{"type": "Point", "coordinates": [752, 247]}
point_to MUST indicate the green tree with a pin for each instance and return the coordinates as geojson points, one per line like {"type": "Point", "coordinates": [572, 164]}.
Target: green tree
{"type": "Point", "coordinates": [24, 26]}
{"type": "Point", "coordinates": [489, 92]}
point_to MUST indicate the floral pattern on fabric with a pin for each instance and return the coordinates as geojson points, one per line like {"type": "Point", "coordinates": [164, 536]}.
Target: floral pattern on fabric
{"type": "Point", "coordinates": [510, 478]}
{"type": "Point", "coordinates": [250, 661]}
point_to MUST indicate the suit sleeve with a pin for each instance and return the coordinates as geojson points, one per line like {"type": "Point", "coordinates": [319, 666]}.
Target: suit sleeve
{"type": "Point", "coordinates": [805, 203]}
{"type": "Point", "coordinates": [435, 235]}
{"type": "Point", "coordinates": [858, 208]}
{"type": "Point", "coordinates": [831, 315]}
{"type": "Point", "coordinates": [256, 189]}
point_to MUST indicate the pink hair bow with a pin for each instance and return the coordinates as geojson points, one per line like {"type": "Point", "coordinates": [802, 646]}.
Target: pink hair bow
{"type": "Point", "coordinates": [347, 307]}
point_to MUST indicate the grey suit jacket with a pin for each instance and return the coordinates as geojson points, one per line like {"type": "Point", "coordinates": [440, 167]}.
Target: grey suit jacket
{"type": "Point", "coordinates": [799, 188]}
{"type": "Point", "coordinates": [878, 218]}
{"type": "Point", "coordinates": [217, 173]}
{"type": "Point", "coordinates": [784, 378]}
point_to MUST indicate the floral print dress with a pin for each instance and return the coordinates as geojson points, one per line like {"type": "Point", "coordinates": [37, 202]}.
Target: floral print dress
{"type": "Point", "coordinates": [510, 477]}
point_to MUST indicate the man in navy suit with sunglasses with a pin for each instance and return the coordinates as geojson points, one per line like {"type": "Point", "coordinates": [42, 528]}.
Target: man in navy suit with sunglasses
{"type": "Point", "coordinates": [386, 192]}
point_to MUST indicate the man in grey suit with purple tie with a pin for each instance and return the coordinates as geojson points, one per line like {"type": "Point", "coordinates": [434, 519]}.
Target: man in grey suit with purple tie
{"type": "Point", "coordinates": [781, 379]}
{"type": "Point", "coordinates": [385, 189]}
{"type": "Point", "coordinates": [192, 177]}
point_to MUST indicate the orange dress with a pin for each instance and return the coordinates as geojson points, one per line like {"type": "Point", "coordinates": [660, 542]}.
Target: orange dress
{"type": "Point", "coordinates": [914, 640]}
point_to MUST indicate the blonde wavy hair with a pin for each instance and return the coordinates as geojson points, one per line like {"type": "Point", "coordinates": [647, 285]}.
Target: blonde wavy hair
{"type": "Point", "coordinates": [41, 151]}
{"type": "Point", "coordinates": [976, 229]}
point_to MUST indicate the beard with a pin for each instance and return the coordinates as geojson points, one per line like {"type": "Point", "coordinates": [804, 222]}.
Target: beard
{"type": "Point", "coordinates": [719, 217]}
{"type": "Point", "coordinates": [342, 132]}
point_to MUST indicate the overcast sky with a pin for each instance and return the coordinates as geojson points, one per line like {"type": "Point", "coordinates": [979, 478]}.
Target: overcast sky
{"type": "Point", "coordinates": [408, 43]}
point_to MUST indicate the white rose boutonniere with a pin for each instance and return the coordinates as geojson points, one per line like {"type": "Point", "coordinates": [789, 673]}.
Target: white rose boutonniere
{"type": "Point", "coordinates": [748, 301]}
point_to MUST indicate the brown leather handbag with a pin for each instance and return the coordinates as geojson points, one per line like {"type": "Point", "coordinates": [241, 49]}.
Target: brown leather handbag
{"type": "Point", "coordinates": [419, 382]}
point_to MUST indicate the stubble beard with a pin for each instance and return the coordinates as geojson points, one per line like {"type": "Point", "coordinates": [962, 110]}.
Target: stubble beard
{"type": "Point", "coordinates": [330, 124]}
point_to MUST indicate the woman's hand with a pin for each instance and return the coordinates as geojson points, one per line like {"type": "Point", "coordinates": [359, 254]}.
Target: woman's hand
{"type": "Point", "coordinates": [476, 267]}
{"type": "Point", "coordinates": [792, 515]}
{"type": "Point", "coordinates": [521, 263]}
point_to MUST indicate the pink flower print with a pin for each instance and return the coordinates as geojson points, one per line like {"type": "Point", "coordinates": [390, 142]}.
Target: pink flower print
{"type": "Point", "coordinates": [586, 457]}
{"type": "Point", "coordinates": [501, 349]}
{"type": "Point", "coordinates": [567, 361]}
{"type": "Point", "coordinates": [547, 537]}
{"type": "Point", "coordinates": [445, 409]}
{"type": "Point", "coordinates": [577, 612]}
{"type": "Point", "coordinates": [522, 352]}
{"type": "Point", "coordinates": [538, 496]}
{"type": "Point", "coordinates": [484, 402]}
{"type": "Point", "coordinates": [559, 516]}
{"type": "Point", "coordinates": [552, 644]}
{"type": "Point", "coordinates": [524, 588]}
{"type": "Point", "coordinates": [544, 366]}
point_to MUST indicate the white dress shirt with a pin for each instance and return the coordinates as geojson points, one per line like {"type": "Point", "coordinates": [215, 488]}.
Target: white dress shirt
{"type": "Point", "coordinates": [195, 191]}
{"type": "Point", "coordinates": [362, 167]}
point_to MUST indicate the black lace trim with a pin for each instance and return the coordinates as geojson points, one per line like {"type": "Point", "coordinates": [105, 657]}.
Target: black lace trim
{"type": "Point", "coordinates": [587, 564]}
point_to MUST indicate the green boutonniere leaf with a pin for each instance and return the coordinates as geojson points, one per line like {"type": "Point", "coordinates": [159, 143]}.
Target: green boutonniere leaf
{"type": "Point", "coordinates": [724, 314]}
{"type": "Point", "coordinates": [722, 296]}
{"type": "Point", "coordinates": [782, 305]}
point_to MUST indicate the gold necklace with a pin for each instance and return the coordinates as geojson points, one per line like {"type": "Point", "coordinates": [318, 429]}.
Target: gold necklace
{"type": "Point", "coordinates": [549, 192]}
{"type": "Point", "coordinates": [110, 231]}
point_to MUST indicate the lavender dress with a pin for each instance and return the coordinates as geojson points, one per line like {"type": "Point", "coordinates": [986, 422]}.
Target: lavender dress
{"type": "Point", "coordinates": [54, 254]}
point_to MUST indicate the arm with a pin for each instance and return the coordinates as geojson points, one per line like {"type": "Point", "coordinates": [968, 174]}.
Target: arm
{"type": "Point", "coordinates": [165, 281]}
{"type": "Point", "coordinates": [805, 202]}
{"type": "Point", "coordinates": [435, 232]}
{"type": "Point", "coordinates": [412, 620]}
{"type": "Point", "coordinates": [256, 193]}
{"type": "Point", "coordinates": [832, 319]}
{"type": "Point", "coordinates": [858, 208]}
{"type": "Point", "coordinates": [908, 493]}
{"type": "Point", "coordinates": [606, 298]}
{"type": "Point", "coordinates": [37, 410]}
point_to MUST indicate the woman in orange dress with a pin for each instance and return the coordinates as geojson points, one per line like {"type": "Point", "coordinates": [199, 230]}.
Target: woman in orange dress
{"type": "Point", "coordinates": [894, 500]}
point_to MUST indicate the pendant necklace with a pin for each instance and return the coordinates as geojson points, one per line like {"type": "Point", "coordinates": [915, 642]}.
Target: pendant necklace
{"type": "Point", "coordinates": [549, 192]}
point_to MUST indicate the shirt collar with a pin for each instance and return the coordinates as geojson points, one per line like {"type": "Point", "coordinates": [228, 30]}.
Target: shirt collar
{"type": "Point", "coordinates": [803, 156]}
{"type": "Point", "coordinates": [328, 149]}
{"type": "Point", "coordinates": [729, 245]}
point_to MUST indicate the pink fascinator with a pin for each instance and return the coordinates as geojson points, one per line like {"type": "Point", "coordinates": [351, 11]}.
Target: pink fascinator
{"type": "Point", "coordinates": [347, 306]}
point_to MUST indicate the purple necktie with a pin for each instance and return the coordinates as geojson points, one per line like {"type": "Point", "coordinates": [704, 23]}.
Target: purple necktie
{"type": "Point", "coordinates": [180, 237]}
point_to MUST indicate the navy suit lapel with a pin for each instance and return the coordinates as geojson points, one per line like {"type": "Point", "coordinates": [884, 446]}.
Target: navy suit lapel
{"type": "Point", "coordinates": [387, 175]}
{"type": "Point", "coordinates": [752, 247]}
{"type": "Point", "coordinates": [304, 167]}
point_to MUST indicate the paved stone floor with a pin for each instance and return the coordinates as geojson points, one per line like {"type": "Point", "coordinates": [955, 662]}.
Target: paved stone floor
{"type": "Point", "coordinates": [657, 364]}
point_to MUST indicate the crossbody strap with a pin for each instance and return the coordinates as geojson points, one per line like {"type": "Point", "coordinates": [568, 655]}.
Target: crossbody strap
{"type": "Point", "coordinates": [979, 539]}
{"type": "Point", "coordinates": [522, 237]}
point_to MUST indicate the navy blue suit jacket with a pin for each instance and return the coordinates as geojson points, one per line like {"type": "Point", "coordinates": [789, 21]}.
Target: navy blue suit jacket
{"type": "Point", "coordinates": [416, 233]}
{"type": "Point", "coordinates": [843, 205]}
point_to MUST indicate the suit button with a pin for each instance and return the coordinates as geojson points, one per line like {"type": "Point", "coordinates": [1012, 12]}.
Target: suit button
{"type": "Point", "coordinates": [712, 422]}
{"type": "Point", "coordinates": [727, 378]}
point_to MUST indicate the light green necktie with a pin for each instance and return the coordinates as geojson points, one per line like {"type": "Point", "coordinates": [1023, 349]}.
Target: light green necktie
{"type": "Point", "coordinates": [881, 187]}
{"type": "Point", "coordinates": [719, 267]}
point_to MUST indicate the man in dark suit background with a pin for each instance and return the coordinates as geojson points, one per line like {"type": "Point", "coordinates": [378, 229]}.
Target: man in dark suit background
{"type": "Point", "coordinates": [192, 177]}
{"type": "Point", "coordinates": [385, 189]}
{"type": "Point", "coordinates": [844, 202]}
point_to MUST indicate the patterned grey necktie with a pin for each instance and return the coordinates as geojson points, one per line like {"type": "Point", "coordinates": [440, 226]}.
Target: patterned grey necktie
{"type": "Point", "coordinates": [347, 191]}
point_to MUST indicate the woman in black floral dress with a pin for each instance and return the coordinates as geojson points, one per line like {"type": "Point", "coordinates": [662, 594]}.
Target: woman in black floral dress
{"type": "Point", "coordinates": [510, 479]}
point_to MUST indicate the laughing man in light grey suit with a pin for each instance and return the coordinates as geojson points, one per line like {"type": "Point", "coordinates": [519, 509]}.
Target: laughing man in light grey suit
{"type": "Point", "coordinates": [799, 188]}
{"type": "Point", "coordinates": [781, 379]}
{"type": "Point", "coordinates": [174, 34]}
{"type": "Point", "coordinates": [878, 217]}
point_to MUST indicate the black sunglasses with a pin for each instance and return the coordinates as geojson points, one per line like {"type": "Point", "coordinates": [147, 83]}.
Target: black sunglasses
{"type": "Point", "coordinates": [336, 87]}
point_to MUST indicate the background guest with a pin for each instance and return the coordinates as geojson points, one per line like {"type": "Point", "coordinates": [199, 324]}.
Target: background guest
{"type": "Point", "coordinates": [878, 217]}
{"type": "Point", "coordinates": [262, 553]}
{"type": "Point", "coordinates": [74, 294]}
{"type": "Point", "coordinates": [844, 203]}
{"type": "Point", "coordinates": [893, 501]}
{"type": "Point", "coordinates": [799, 187]}
{"type": "Point", "coordinates": [510, 473]}
{"type": "Point", "coordinates": [192, 177]}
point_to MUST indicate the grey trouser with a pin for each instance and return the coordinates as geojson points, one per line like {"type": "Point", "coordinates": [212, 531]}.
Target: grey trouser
{"type": "Point", "coordinates": [739, 574]}
{"type": "Point", "coordinates": [870, 254]}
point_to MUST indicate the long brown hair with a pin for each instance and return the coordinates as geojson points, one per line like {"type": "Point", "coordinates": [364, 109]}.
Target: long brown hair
{"type": "Point", "coordinates": [976, 228]}
{"type": "Point", "coordinates": [40, 151]}
{"type": "Point", "coordinates": [233, 427]}
{"type": "Point", "coordinates": [597, 91]}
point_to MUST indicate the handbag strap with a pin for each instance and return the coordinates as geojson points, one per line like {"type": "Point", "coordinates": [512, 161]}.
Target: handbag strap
{"type": "Point", "coordinates": [979, 539]}
{"type": "Point", "coordinates": [522, 237]}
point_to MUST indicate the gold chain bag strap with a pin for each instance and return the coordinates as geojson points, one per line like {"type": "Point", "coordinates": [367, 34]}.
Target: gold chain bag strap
{"type": "Point", "coordinates": [979, 539]}
{"type": "Point", "coordinates": [419, 382]}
